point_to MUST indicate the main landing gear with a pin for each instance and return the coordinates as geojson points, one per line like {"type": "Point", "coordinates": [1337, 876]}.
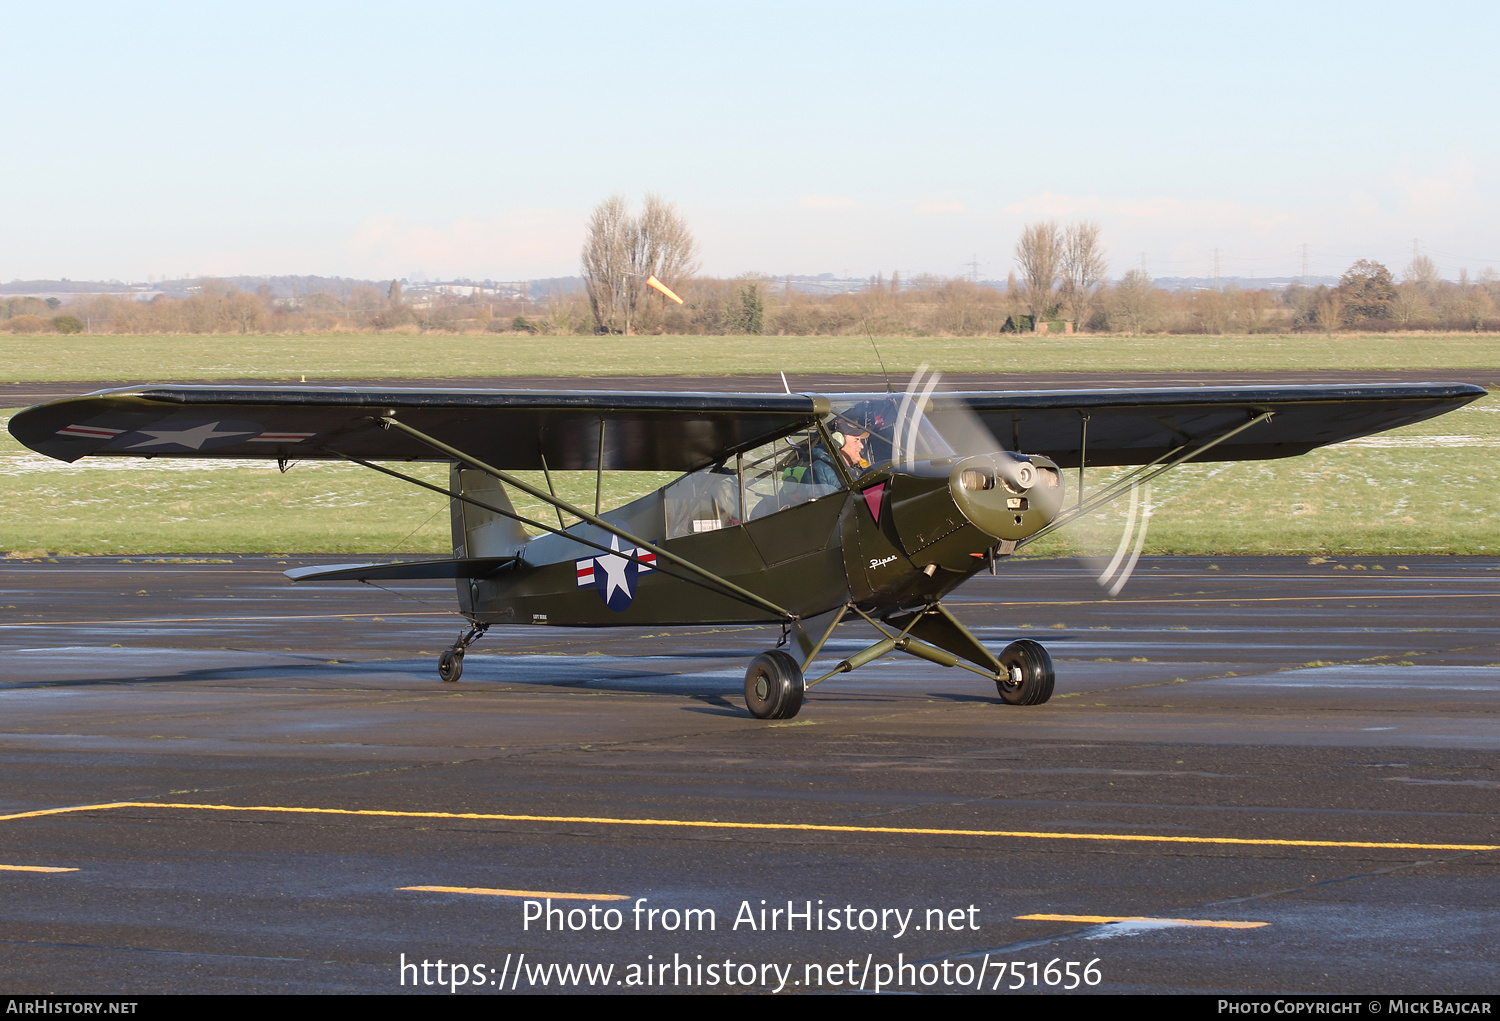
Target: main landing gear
{"type": "Point", "coordinates": [1023, 673]}
{"type": "Point", "coordinates": [451, 662]}
{"type": "Point", "coordinates": [1028, 674]}
{"type": "Point", "coordinates": [774, 686]}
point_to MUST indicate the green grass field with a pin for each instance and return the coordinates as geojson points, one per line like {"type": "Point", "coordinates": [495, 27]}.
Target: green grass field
{"type": "Point", "coordinates": [1429, 488]}
{"type": "Point", "coordinates": [367, 355]}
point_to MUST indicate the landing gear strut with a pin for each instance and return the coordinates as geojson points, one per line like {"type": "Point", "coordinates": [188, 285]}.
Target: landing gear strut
{"type": "Point", "coordinates": [451, 662]}
{"type": "Point", "coordinates": [1023, 674]}
{"type": "Point", "coordinates": [774, 686]}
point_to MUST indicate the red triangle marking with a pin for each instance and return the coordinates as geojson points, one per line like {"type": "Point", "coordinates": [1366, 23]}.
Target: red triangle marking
{"type": "Point", "coordinates": [872, 499]}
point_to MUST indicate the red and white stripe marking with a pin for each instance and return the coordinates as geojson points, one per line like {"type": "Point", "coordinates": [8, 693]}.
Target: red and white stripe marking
{"type": "Point", "coordinates": [585, 570]}
{"type": "Point", "coordinates": [89, 432]}
{"type": "Point", "coordinates": [648, 560]}
{"type": "Point", "coordinates": [280, 438]}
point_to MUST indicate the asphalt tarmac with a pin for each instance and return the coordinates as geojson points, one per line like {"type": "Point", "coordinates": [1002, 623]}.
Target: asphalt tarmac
{"type": "Point", "coordinates": [1284, 773]}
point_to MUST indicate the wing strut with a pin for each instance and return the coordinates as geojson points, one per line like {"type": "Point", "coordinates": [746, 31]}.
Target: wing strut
{"type": "Point", "coordinates": [1145, 473]}
{"type": "Point", "coordinates": [389, 421]}
{"type": "Point", "coordinates": [537, 524]}
{"type": "Point", "coordinates": [547, 474]}
{"type": "Point", "coordinates": [598, 470]}
{"type": "Point", "coordinates": [1083, 453]}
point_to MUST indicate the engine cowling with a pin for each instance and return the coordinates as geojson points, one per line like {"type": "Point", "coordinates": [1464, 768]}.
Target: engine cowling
{"type": "Point", "coordinates": [948, 508]}
{"type": "Point", "coordinates": [1007, 495]}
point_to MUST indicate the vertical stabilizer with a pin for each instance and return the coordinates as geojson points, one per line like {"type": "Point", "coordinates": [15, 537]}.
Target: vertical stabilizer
{"type": "Point", "coordinates": [478, 532]}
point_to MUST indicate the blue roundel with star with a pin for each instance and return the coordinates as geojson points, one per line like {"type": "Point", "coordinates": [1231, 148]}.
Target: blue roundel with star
{"type": "Point", "coordinates": [614, 575]}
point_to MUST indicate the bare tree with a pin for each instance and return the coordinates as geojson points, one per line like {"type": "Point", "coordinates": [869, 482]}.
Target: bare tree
{"type": "Point", "coordinates": [1331, 311]}
{"type": "Point", "coordinates": [621, 251]}
{"type": "Point", "coordinates": [606, 261]}
{"type": "Point", "coordinates": [1083, 268]}
{"type": "Point", "coordinates": [1136, 306]}
{"type": "Point", "coordinates": [664, 248]}
{"type": "Point", "coordinates": [1476, 306]}
{"type": "Point", "coordinates": [1408, 303]}
{"type": "Point", "coordinates": [1423, 272]}
{"type": "Point", "coordinates": [1039, 254]}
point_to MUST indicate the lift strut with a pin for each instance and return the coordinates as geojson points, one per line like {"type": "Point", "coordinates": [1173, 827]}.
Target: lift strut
{"type": "Point", "coordinates": [389, 421]}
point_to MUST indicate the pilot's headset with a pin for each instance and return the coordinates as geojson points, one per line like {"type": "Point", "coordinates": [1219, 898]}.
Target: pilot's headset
{"type": "Point", "coordinates": [840, 437]}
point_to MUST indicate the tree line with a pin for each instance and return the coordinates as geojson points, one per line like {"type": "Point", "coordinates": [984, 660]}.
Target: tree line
{"type": "Point", "coordinates": [1058, 284]}
{"type": "Point", "coordinates": [760, 305]}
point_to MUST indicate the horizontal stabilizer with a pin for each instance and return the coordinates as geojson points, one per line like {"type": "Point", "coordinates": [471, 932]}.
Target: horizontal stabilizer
{"type": "Point", "coordinates": [478, 567]}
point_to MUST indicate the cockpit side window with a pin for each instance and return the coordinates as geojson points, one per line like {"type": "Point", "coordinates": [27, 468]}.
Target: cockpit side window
{"type": "Point", "coordinates": [792, 470]}
{"type": "Point", "coordinates": [703, 501]}
{"type": "Point", "coordinates": [788, 472]}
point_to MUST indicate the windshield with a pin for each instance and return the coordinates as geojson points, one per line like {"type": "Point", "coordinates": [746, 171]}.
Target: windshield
{"type": "Point", "coordinates": [895, 431]}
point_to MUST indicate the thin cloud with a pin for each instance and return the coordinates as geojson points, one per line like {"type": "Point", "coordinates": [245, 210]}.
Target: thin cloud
{"type": "Point", "coordinates": [513, 244]}
{"type": "Point", "coordinates": [933, 208]}
{"type": "Point", "coordinates": [1159, 209]}
{"type": "Point", "coordinates": [1451, 187]}
{"type": "Point", "coordinates": [826, 202]}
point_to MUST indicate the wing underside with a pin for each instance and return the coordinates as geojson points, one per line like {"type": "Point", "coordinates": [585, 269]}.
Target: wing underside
{"type": "Point", "coordinates": [1126, 427]}
{"type": "Point", "coordinates": [511, 430]}
{"type": "Point", "coordinates": [516, 430]}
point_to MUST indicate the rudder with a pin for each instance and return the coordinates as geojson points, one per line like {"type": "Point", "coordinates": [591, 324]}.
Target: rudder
{"type": "Point", "coordinates": [477, 532]}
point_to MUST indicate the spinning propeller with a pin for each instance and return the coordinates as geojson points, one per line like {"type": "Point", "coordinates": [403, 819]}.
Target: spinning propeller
{"type": "Point", "coordinates": [1115, 574]}
{"type": "Point", "coordinates": [925, 426]}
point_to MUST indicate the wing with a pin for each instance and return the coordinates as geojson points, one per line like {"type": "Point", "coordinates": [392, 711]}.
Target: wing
{"type": "Point", "coordinates": [685, 431]}
{"type": "Point", "coordinates": [1127, 427]}
{"type": "Point", "coordinates": [511, 430]}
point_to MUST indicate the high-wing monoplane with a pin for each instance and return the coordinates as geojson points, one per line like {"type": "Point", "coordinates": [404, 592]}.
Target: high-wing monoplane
{"type": "Point", "coordinates": [803, 510]}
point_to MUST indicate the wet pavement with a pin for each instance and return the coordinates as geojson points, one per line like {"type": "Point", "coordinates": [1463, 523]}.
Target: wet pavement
{"type": "Point", "coordinates": [1305, 750]}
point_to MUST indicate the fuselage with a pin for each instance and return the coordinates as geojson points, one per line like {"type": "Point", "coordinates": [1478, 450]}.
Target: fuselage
{"type": "Point", "coordinates": [896, 537]}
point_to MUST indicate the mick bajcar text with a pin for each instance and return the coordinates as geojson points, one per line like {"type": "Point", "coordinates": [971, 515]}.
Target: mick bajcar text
{"type": "Point", "coordinates": [1399, 1005]}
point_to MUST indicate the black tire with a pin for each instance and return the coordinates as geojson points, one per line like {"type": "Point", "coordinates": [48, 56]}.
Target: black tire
{"type": "Point", "coordinates": [451, 665]}
{"type": "Point", "coordinates": [773, 686]}
{"type": "Point", "coordinates": [1029, 678]}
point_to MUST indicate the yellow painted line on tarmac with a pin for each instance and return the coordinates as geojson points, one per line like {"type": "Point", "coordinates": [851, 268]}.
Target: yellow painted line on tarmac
{"type": "Point", "coordinates": [1107, 919]}
{"type": "Point", "coordinates": [214, 620]}
{"type": "Point", "coordinates": [800, 827]}
{"type": "Point", "coordinates": [1238, 599]}
{"type": "Point", "coordinates": [32, 868]}
{"type": "Point", "coordinates": [484, 892]}
{"type": "Point", "coordinates": [38, 813]}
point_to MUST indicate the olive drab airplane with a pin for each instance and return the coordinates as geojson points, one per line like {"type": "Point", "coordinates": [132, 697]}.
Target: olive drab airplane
{"type": "Point", "coordinates": [803, 510]}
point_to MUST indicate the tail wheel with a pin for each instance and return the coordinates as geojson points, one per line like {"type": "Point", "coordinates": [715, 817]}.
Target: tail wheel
{"type": "Point", "coordinates": [773, 686]}
{"type": "Point", "coordinates": [1028, 674]}
{"type": "Point", "coordinates": [451, 664]}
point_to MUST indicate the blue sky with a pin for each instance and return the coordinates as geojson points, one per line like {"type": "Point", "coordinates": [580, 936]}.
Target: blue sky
{"type": "Point", "coordinates": [472, 139]}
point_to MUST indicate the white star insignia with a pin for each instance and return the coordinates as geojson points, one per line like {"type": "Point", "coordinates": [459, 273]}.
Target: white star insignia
{"type": "Point", "coordinates": [193, 438]}
{"type": "Point", "coordinates": [613, 567]}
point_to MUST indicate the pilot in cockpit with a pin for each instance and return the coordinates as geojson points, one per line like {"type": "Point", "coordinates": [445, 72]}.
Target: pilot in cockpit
{"type": "Point", "coordinates": [849, 440]}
